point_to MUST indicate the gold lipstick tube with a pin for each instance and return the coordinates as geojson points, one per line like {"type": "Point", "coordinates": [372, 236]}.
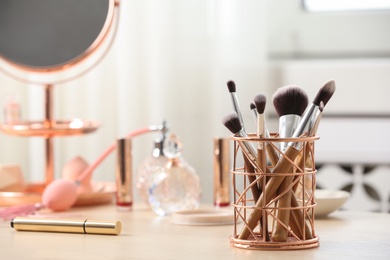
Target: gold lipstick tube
{"type": "Point", "coordinates": [124, 196]}
{"type": "Point", "coordinates": [67, 225]}
{"type": "Point", "coordinates": [221, 172]}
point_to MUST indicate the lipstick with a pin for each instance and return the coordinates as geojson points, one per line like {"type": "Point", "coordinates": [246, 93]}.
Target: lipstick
{"type": "Point", "coordinates": [221, 172]}
{"type": "Point", "coordinates": [81, 226]}
{"type": "Point", "coordinates": [124, 196]}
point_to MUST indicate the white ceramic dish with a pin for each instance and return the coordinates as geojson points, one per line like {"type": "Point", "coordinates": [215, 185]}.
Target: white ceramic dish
{"type": "Point", "coordinates": [203, 217]}
{"type": "Point", "coordinates": [329, 201]}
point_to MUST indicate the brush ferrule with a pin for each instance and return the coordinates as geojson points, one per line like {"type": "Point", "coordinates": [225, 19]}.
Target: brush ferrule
{"type": "Point", "coordinates": [254, 114]}
{"type": "Point", "coordinates": [260, 129]}
{"type": "Point", "coordinates": [236, 107]}
{"type": "Point", "coordinates": [287, 126]}
{"type": "Point", "coordinates": [248, 147]}
{"type": "Point", "coordinates": [315, 123]}
{"type": "Point", "coordinates": [304, 124]}
{"type": "Point", "coordinates": [261, 125]}
{"type": "Point", "coordinates": [266, 131]}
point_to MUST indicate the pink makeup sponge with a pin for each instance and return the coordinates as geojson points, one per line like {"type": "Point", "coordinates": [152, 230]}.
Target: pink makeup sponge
{"type": "Point", "coordinates": [60, 195]}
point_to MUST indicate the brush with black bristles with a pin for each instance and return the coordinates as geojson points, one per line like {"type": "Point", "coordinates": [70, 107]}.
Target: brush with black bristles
{"type": "Point", "coordinates": [232, 122]}
{"type": "Point", "coordinates": [309, 116]}
{"type": "Point", "coordinates": [303, 159]}
{"type": "Point", "coordinates": [259, 108]}
{"type": "Point", "coordinates": [236, 106]}
{"type": "Point", "coordinates": [280, 232]}
{"type": "Point", "coordinates": [290, 102]}
{"type": "Point", "coordinates": [284, 164]}
{"type": "Point", "coordinates": [260, 102]}
{"type": "Point", "coordinates": [317, 114]}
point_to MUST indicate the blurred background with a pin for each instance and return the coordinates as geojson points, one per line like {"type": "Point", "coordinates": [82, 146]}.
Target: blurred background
{"type": "Point", "coordinates": [171, 60]}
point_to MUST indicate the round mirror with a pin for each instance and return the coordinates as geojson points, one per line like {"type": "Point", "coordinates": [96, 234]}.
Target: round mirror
{"type": "Point", "coordinates": [48, 42]}
{"type": "Point", "coordinates": [43, 40]}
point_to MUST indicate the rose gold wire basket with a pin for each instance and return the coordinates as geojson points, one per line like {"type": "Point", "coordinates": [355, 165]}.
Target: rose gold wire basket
{"type": "Point", "coordinates": [274, 194]}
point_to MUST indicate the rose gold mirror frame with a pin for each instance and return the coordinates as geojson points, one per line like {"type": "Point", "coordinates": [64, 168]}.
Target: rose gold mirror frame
{"type": "Point", "coordinates": [49, 128]}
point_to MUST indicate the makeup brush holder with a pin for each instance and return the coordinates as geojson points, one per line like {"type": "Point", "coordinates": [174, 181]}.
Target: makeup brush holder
{"type": "Point", "coordinates": [274, 193]}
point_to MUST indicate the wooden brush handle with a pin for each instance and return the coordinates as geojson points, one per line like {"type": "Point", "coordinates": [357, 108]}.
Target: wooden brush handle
{"type": "Point", "coordinates": [272, 154]}
{"type": "Point", "coordinates": [250, 169]}
{"type": "Point", "coordinates": [283, 166]}
{"type": "Point", "coordinates": [289, 201]}
{"type": "Point", "coordinates": [296, 220]}
{"type": "Point", "coordinates": [262, 163]}
{"type": "Point", "coordinates": [280, 233]}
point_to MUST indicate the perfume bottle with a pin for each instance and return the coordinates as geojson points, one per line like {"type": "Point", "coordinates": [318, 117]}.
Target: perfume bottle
{"type": "Point", "coordinates": [176, 186]}
{"type": "Point", "coordinates": [150, 165]}
{"type": "Point", "coordinates": [11, 109]}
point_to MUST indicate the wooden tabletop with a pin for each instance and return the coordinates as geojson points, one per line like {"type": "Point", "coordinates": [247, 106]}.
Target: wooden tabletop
{"type": "Point", "coordinates": [343, 235]}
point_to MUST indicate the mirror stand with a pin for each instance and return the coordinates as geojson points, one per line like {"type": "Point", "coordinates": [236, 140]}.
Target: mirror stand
{"type": "Point", "coordinates": [49, 128]}
{"type": "Point", "coordinates": [81, 48]}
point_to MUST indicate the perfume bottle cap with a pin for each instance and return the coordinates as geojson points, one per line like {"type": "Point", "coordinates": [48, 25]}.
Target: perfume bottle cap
{"type": "Point", "coordinates": [173, 146]}
{"type": "Point", "coordinates": [103, 227]}
{"type": "Point", "coordinates": [158, 149]}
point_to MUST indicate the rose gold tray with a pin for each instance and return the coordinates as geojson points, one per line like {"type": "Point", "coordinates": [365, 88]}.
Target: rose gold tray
{"type": "Point", "coordinates": [103, 193]}
{"type": "Point", "coordinates": [50, 128]}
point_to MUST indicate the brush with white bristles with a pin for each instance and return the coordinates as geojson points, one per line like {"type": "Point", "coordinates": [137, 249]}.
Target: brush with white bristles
{"type": "Point", "coordinates": [284, 164]}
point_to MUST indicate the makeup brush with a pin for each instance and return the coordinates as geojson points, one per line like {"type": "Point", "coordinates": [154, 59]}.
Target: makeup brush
{"type": "Point", "coordinates": [232, 122]}
{"type": "Point", "coordinates": [308, 118]}
{"type": "Point", "coordinates": [236, 106]}
{"type": "Point", "coordinates": [296, 216]}
{"type": "Point", "coordinates": [249, 164]}
{"type": "Point", "coordinates": [260, 102]}
{"type": "Point", "coordinates": [290, 102]}
{"type": "Point", "coordinates": [284, 164]}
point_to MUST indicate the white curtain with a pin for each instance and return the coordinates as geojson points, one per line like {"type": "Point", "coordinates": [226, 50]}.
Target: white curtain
{"type": "Point", "coordinates": [170, 60]}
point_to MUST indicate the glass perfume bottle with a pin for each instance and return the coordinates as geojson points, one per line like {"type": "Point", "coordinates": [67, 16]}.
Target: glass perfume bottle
{"type": "Point", "coordinates": [11, 109]}
{"type": "Point", "coordinates": [148, 166]}
{"type": "Point", "coordinates": [176, 186]}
